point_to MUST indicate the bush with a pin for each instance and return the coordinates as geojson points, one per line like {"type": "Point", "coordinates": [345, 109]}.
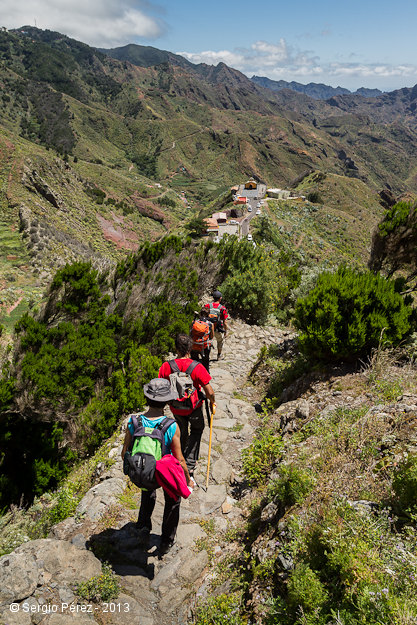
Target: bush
{"type": "Point", "coordinates": [292, 486]}
{"type": "Point", "coordinates": [306, 591]}
{"type": "Point", "coordinates": [220, 610]}
{"type": "Point", "coordinates": [314, 197]}
{"type": "Point", "coordinates": [258, 281]}
{"type": "Point", "coordinates": [348, 313]}
{"type": "Point", "coordinates": [259, 456]}
{"type": "Point", "coordinates": [404, 485]}
{"type": "Point", "coordinates": [104, 587]}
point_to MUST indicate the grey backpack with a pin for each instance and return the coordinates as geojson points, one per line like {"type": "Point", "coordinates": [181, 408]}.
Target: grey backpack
{"type": "Point", "coordinates": [182, 383]}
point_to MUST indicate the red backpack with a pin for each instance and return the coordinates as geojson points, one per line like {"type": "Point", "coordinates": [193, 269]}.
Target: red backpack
{"type": "Point", "coordinates": [200, 334]}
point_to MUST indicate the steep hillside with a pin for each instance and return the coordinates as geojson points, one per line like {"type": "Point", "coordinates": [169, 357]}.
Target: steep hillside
{"type": "Point", "coordinates": [334, 225]}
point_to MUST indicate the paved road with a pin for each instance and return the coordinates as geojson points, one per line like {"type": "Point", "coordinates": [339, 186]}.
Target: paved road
{"type": "Point", "coordinates": [246, 222]}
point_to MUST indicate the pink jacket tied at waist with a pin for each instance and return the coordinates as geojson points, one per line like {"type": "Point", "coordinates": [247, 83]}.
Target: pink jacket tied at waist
{"type": "Point", "coordinates": [170, 475]}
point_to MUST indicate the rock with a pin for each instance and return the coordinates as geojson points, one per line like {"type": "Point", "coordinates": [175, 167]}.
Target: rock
{"type": "Point", "coordinates": [130, 612]}
{"type": "Point", "coordinates": [222, 524]}
{"type": "Point", "coordinates": [235, 411]}
{"type": "Point", "coordinates": [62, 530]}
{"type": "Point", "coordinates": [168, 571]}
{"type": "Point", "coordinates": [286, 562]}
{"type": "Point", "coordinates": [269, 513]}
{"type": "Point", "coordinates": [79, 541]}
{"type": "Point", "coordinates": [221, 471]}
{"type": "Point", "coordinates": [66, 595]}
{"type": "Point", "coordinates": [224, 423]}
{"type": "Point", "coordinates": [212, 499]}
{"type": "Point", "coordinates": [16, 618]}
{"type": "Point", "coordinates": [221, 435]}
{"type": "Point", "coordinates": [187, 534]}
{"type": "Point", "coordinates": [172, 600]}
{"type": "Point", "coordinates": [61, 560]}
{"type": "Point", "coordinates": [115, 452]}
{"type": "Point", "coordinates": [193, 566]}
{"type": "Point", "coordinates": [246, 431]}
{"type": "Point", "coordinates": [94, 503]}
{"type": "Point", "coordinates": [302, 410]}
{"type": "Point", "coordinates": [227, 505]}
{"type": "Point", "coordinates": [19, 575]}
{"type": "Point", "coordinates": [67, 618]}
{"type": "Point", "coordinates": [364, 506]}
{"type": "Point", "coordinates": [227, 386]}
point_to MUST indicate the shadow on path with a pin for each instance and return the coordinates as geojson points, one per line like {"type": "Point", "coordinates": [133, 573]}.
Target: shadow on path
{"type": "Point", "coordinates": [122, 550]}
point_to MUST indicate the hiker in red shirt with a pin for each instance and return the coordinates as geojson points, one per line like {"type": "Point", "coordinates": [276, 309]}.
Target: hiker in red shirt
{"type": "Point", "coordinates": [188, 411]}
{"type": "Point", "coordinates": [217, 313]}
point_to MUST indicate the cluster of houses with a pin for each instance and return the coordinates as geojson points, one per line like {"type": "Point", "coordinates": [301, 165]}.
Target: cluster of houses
{"type": "Point", "coordinates": [229, 221]}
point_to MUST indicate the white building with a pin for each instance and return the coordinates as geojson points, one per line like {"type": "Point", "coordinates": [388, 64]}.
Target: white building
{"type": "Point", "coordinates": [280, 194]}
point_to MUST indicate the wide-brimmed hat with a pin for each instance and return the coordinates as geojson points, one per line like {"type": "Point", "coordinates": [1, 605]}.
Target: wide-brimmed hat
{"type": "Point", "coordinates": [159, 389]}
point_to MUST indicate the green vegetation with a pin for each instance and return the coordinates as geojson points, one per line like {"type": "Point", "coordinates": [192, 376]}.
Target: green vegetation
{"type": "Point", "coordinates": [104, 587]}
{"type": "Point", "coordinates": [220, 610]}
{"type": "Point", "coordinates": [348, 313]}
{"type": "Point", "coordinates": [394, 243]}
{"type": "Point", "coordinates": [257, 459]}
{"type": "Point", "coordinates": [327, 557]}
{"type": "Point", "coordinates": [79, 359]}
{"type": "Point", "coordinates": [258, 281]}
{"type": "Point", "coordinates": [404, 485]}
{"type": "Point", "coordinates": [292, 485]}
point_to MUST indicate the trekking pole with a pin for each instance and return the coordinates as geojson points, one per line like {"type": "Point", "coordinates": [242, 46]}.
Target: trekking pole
{"type": "Point", "coordinates": [209, 451]}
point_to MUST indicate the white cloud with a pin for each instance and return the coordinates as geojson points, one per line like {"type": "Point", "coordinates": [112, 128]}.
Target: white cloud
{"type": "Point", "coordinates": [102, 23]}
{"type": "Point", "coordinates": [280, 61]}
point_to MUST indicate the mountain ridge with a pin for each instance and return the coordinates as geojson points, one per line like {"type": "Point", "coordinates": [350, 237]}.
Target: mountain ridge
{"type": "Point", "coordinates": [318, 91]}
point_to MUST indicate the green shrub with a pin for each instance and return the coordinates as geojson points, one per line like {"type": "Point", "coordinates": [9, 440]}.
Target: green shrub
{"type": "Point", "coordinates": [257, 281]}
{"type": "Point", "coordinates": [314, 197]}
{"type": "Point", "coordinates": [306, 591]}
{"type": "Point", "coordinates": [292, 486]}
{"type": "Point", "coordinates": [220, 610]}
{"type": "Point", "coordinates": [165, 200]}
{"type": "Point", "coordinates": [404, 485]}
{"type": "Point", "coordinates": [104, 587]}
{"type": "Point", "coordinates": [259, 456]}
{"type": "Point", "coordinates": [348, 313]}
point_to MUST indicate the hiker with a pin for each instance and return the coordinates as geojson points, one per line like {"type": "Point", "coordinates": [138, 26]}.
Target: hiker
{"type": "Point", "coordinates": [217, 313]}
{"type": "Point", "coordinates": [202, 333]}
{"type": "Point", "coordinates": [158, 393]}
{"type": "Point", "coordinates": [188, 411]}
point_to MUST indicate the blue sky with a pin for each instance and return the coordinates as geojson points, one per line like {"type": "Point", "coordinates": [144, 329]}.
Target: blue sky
{"type": "Point", "coordinates": [356, 44]}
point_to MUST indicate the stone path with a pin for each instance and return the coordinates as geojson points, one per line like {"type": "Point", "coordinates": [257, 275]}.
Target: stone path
{"type": "Point", "coordinates": [155, 591]}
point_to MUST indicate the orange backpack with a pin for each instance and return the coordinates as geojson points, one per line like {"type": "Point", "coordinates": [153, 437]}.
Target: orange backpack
{"type": "Point", "coordinates": [200, 334]}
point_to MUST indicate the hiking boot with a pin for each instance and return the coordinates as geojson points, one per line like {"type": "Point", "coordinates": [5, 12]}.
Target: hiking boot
{"type": "Point", "coordinates": [165, 546]}
{"type": "Point", "coordinates": [219, 356]}
{"type": "Point", "coordinates": [143, 536]}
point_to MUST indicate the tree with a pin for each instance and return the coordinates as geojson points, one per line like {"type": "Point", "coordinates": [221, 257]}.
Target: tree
{"type": "Point", "coordinates": [196, 226]}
